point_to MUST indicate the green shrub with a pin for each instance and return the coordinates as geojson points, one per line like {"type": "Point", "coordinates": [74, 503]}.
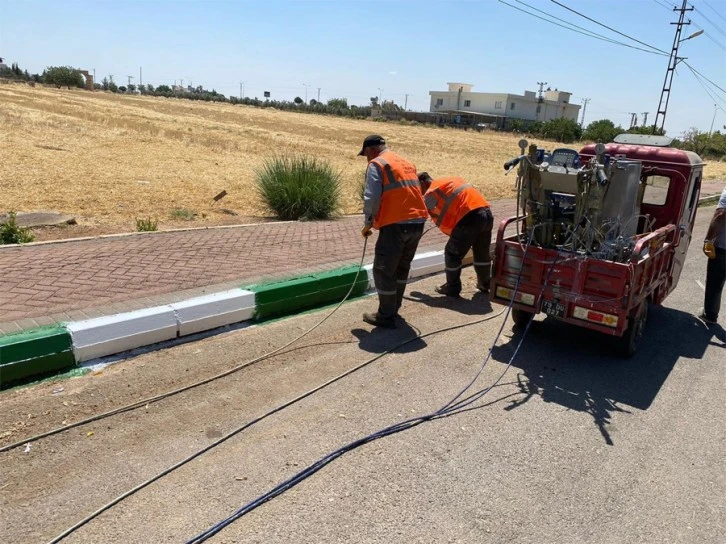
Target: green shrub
{"type": "Point", "coordinates": [299, 187]}
{"type": "Point", "coordinates": [183, 214]}
{"type": "Point", "coordinates": [146, 225]}
{"type": "Point", "coordinates": [11, 233]}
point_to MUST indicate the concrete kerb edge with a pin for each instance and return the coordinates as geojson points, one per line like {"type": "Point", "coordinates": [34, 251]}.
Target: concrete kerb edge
{"type": "Point", "coordinates": [110, 335]}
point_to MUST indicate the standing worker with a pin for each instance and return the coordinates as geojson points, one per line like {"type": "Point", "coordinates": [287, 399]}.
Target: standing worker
{"type": "Point", "coordinates": [714, 246]}
{"type": "Point", "coordinates": [393, 204]}
{"type": "Point", "coordinates": [463, 214]}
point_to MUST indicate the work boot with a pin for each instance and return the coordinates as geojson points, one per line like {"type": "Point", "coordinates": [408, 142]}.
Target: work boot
{"type": "Point", "coordinates": [448, 291]}
{"type": "Point", "coordinates": [377, 321]}
{"type": "Point", "coordinates": [483, 288]}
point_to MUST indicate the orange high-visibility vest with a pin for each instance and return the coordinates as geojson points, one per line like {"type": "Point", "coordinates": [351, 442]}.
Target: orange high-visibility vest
{"type": "Point", "coordinates": [401, 199]}
{"type": "Point", "coordinates": [448, 200]}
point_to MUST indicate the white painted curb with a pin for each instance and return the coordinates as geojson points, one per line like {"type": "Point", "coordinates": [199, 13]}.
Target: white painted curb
{"type": "Point", "coordinates": [427, 263]}
{"type": "Point", "coordinates": [103, 336]}
{"type": "Point", "coordinates": [108, 335]}
{"type": "Point", "coordinates": [215, 310]}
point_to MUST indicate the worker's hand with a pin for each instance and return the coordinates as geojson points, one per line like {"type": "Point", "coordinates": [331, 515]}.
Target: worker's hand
{"type": "Point", "coordinates": [366, 231]}
{"type": "Point", "coordinates": [709, 249]}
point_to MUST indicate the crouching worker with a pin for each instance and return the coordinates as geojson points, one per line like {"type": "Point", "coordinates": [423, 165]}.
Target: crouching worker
{"type": "Point", "coordinates": [464, 215]}
{"type": "Point", "coordinates": [393, 204]}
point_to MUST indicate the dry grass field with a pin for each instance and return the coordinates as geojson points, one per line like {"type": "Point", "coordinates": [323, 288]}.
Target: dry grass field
{"type": "Point", "coordinates": [109, 159]}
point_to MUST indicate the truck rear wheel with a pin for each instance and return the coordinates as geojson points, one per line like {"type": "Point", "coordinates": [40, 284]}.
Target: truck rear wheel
{"type": "Point", "coordinates": [630, 340]}
{"type": "Point", "coordinates": [521, 318]}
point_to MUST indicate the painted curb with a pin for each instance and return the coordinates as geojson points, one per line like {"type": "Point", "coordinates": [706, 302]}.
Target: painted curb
{"type": "Point", "coordinates": [34, 353]}
{"type": "Point", "coordinates": [39, 352]}
{"type": "Point", "coordinates": [216, 310]}
{"type": "Point", "coordinates": [287, 296]}
{"type": "Point", "coordinates": [112, 334]}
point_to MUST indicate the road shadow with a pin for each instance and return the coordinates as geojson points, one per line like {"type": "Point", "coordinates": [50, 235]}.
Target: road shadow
{"type": "Point", "coordinates": [478, 305]}
{"type": "Point", "coordinates": [379, 339]}
{"type": "Point", "coordinates": [579, 369]}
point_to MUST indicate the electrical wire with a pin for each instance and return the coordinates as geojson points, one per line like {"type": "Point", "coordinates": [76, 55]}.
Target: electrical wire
{"type": "Point", "coordinates": [449, 409]}
{"type": "Point", "coordinates": [589, 35]}
{"type": "Point", "coordinates": [704, 77]}
{"type": "Point", "coordinates": [712, 9]}
{"type": "Point", "coordinates": [157, 398]}
{"type": "Point", "coordinates": [715, 98]}
{"type": "Point", "coordinates": [708, 20]}
{"type": "Point", "coordinates": [252, 422]}
{"type": "Point", "coordinates": [589, 32]}
{"type": "Point", "coordinates": [608, 27]}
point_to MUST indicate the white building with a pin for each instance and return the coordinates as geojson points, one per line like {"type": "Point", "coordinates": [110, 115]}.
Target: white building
{"type": "Point", "coordinates": [501, 108]}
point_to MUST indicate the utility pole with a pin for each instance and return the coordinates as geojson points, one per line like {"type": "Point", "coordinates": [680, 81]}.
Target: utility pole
{"type": "Point", "coordinates": [306, 91]}
{"type": "Point", "coordinates": [405, 104]}
{"type": "Point", "coordinates": [645, 118]}
{"type": "Point", "coordinates": [633, 119]}
{"type": "Point", "coordinates": [584, 108]}
{"type": "Point", "coordinates": [380, 96]}
{"type": "Point", "coordinates": [665, 93]}
{"type": "Point", "coordinates": [94, 75]}
{"type": "Point", "coordinates": [141, 80]}
{"type": "Point", "coordinates": [181, 83]}
{"type": "Point", "coordinates": [242, 90]}
{"type": "Point", "coordinates": [318, 94]}
{"type": "Point", "coordinates": [539, 98]}
{"type": "Point", "coordinates": [715, 109]}
{"type": "Point", "coordinates": [129, 80]}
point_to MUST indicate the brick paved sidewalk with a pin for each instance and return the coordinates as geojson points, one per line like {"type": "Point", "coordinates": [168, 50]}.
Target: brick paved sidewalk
{"type": "Point", "coordinates": [72, 280]}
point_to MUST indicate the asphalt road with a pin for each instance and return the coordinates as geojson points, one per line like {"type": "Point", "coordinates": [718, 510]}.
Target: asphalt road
{"type": "Point", "coordinates": [573, 445]}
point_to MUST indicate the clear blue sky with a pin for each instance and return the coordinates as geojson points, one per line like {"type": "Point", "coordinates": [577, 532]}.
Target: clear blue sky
{"type": "Point", "coordinates": [352, 49]}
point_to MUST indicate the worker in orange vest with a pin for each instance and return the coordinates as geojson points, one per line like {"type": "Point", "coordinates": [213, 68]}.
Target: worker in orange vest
{"type": "Point", "coordinates": [393, 204]}
{"type": "Point", "coordinates": [463, 214]}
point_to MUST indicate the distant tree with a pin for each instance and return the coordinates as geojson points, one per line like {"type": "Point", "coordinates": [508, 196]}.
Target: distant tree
{"type": "Point", "coordinates": [298, 100]}
{"type": "Point", "coordinates": [122, 88]}
{"type": "Point", "coordinates": [563, 130]}
{"type": "Point", "coordinates": [341, 103]}
{"type": "Point", "coordinates": [314, 102]}
{"type": "Point", "coordinates": [97, 86]}
{"type": "Point", "coordinates": [105, 84]}
{"type": "Point", "coordinates": [603, 131]}
{"type": "Point", "coordinates": [131, 87]}
{"type": "Point", "coordinates": [390, 105]}
{"type": "Point", "coordinates": [64, 76]}
{"type": "Point", "coordinates": [516, 125]}
{"type": "Point", "coordinates": [163, 89]}
{"type": "Point", "coordinates": [374, 101]}
{"type": "Point", "coordinates": [112, 86]}
{"type": "Point", "coordinates": [695, 140]}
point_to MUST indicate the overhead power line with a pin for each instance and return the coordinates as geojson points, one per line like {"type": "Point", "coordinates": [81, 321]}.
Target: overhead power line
{"type": "Point", "coordinates": [560, 21]}
{"type": "Point", "coordinates": [708, 21]}
{"type": "Point", "coordinates": [704, 77]}
{"type": "Point", "coordinates": [712, 9]}
{"type": "Point", "coordinates": [590, 34]}
{"type": "Point", "coordinates": [605, 26]}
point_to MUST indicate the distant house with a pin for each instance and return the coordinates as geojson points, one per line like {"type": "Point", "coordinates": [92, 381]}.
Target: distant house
{"type": "Point", "coordinates": [498, 109]}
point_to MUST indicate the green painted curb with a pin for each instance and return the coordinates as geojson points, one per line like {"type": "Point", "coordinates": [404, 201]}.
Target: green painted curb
{"type": "Point", "coordinates": [34, 353]}
{"type": "Point", "coordinates": [288, 296]}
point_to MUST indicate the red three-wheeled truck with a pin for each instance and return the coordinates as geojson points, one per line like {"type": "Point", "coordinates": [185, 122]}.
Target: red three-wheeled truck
{"type": "Point", "coordinates": [600, 234]}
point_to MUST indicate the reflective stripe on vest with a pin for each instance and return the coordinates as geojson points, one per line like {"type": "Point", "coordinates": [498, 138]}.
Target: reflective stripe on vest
{"type": "Point", "coordinates": [401, 198]}
{"type": "Point", "coordinates": [447, 209]}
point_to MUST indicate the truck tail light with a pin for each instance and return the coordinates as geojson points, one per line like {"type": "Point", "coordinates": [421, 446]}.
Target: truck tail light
{"type": "Point", "coordinates": [594, 316]}
{"type": "Point", "coordinates": [524, 298]}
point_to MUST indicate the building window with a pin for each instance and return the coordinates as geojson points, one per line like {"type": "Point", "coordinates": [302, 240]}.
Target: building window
{"type": "Point", "coordinates": [498, 105]}
{"type": "Point", "coordinates": [511, 107]}
{"type": "Point", "coordinates": [439, 101]}
{"type": "Point", "coordinates": [467, 103]}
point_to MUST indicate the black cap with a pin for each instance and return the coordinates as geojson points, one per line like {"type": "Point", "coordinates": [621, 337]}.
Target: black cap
{"type": "Point", "coordinates": [373, 139]}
